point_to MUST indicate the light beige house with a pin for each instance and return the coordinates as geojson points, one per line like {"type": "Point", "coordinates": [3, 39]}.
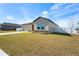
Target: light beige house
{"type": "Point", "coordinates": [41, 24]}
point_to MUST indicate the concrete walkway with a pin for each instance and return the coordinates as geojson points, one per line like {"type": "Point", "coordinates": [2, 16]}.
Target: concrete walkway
{"type": "Point", "coordinates": [2, 53]}
{"type": "Point", "coordinates": [8, 33]}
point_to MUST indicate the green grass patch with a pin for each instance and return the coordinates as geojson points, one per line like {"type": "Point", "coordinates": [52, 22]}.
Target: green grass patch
{"type": "Point", "coordinates": [34, 44]}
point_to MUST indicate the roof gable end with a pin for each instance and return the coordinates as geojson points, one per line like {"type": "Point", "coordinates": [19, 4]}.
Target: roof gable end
{"type": "Point", "coordinates": [45, 19]}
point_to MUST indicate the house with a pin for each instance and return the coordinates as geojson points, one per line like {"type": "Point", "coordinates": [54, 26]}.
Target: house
{"type": "Point", "coordinates": [41, 24]}
{"type": "Point", "coordinates": [9, 26]}
{"type": "Point", "coordinates": [27, 27]}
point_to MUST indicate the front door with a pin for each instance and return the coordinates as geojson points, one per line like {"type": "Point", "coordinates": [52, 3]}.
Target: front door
{"type": "Point", "coordinates": [32, 27]}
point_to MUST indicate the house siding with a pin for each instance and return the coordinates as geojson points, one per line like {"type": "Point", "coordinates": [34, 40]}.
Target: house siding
{"type": "Point", "coordinates": [49, 26]}
{"type": "Point", "coordinates": [52, 27]}
{"type": "Point", "coordinates": [43, 21]}
{"type": "Point", "coordinates": [27, 27]}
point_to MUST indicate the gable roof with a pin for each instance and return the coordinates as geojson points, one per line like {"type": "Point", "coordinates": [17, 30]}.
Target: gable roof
{"type": "Point", "coordinates": [45, 19]}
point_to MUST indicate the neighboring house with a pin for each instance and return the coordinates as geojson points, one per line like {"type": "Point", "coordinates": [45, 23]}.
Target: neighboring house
{"type": "Point", "coordinates": [0, 26]}
{"type": "Point", "coordinates": [42, 24]}
{"type": "Point", "coordinates": [9, 26]}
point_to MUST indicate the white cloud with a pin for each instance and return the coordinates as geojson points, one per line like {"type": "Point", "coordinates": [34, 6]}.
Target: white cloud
{"type": "Point", "coordinates": [0, 19]}
{"type": "Point", "coordinates": [57, 6]}
{"type": "Point", "coordinates": [54, 7]}
{"type": "Point", "coordinates": [16, 20]}
{"type": "Point", "coordinates": [70, 5]}
{"type": "Point", "coordinates": [45, 13]}
{"type": "Point", "coordinates": [9, 18]}
{"type": "Point", "coordinates": [65, 11]}
{"type": "Point", "coordinates": [27, 20]}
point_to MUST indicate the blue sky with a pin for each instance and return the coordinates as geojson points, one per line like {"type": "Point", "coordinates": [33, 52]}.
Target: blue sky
{"type": "Point", "coordinates": [21, 13]}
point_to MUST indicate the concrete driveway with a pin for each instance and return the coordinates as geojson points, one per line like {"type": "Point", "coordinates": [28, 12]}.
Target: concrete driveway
{"type": "Point", "coordinates": [12, 33]}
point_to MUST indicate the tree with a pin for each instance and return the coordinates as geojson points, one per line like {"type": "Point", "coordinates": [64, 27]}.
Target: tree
{"type": "Point", "coordinates": [71, 24]}
{"type": "Point", "coordinates": [77, 28]}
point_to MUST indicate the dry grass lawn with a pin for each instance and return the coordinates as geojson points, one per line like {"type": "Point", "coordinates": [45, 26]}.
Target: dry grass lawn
{"type": "Point", "coordinates": [25, 44]}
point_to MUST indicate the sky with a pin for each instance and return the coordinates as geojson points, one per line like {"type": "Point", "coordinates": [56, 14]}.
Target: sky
{"type": "Point", "coordinates": [60, 13]}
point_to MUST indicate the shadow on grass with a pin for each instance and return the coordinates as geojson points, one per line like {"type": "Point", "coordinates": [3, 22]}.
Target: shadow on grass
{"type": "Point", "coordinates": [65, 34]}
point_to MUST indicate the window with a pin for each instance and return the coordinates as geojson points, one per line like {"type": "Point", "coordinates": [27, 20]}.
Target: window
{"type": "Point", "coordinates": [40, 26]}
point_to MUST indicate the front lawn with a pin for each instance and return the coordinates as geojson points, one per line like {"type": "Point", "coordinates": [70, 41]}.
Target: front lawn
{"type": "Point", "coordinates": [24, 44]}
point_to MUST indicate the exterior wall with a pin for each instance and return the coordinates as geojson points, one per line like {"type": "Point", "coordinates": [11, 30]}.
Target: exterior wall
{"type": "Point", "coordinates": [59, 30]}
{"type": "Point", "coordinates": [52, 27]}
{"type": "Point", "coordinates": [27, 27]}
{"type": "Point", "coordinates": [43, 21]}
{"type": "Point", "coordinates": [56, 29]}
{"type": "Point", "coordinates": [18, 29]}
{"type": "Point", "coordinates": [48, 25]}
